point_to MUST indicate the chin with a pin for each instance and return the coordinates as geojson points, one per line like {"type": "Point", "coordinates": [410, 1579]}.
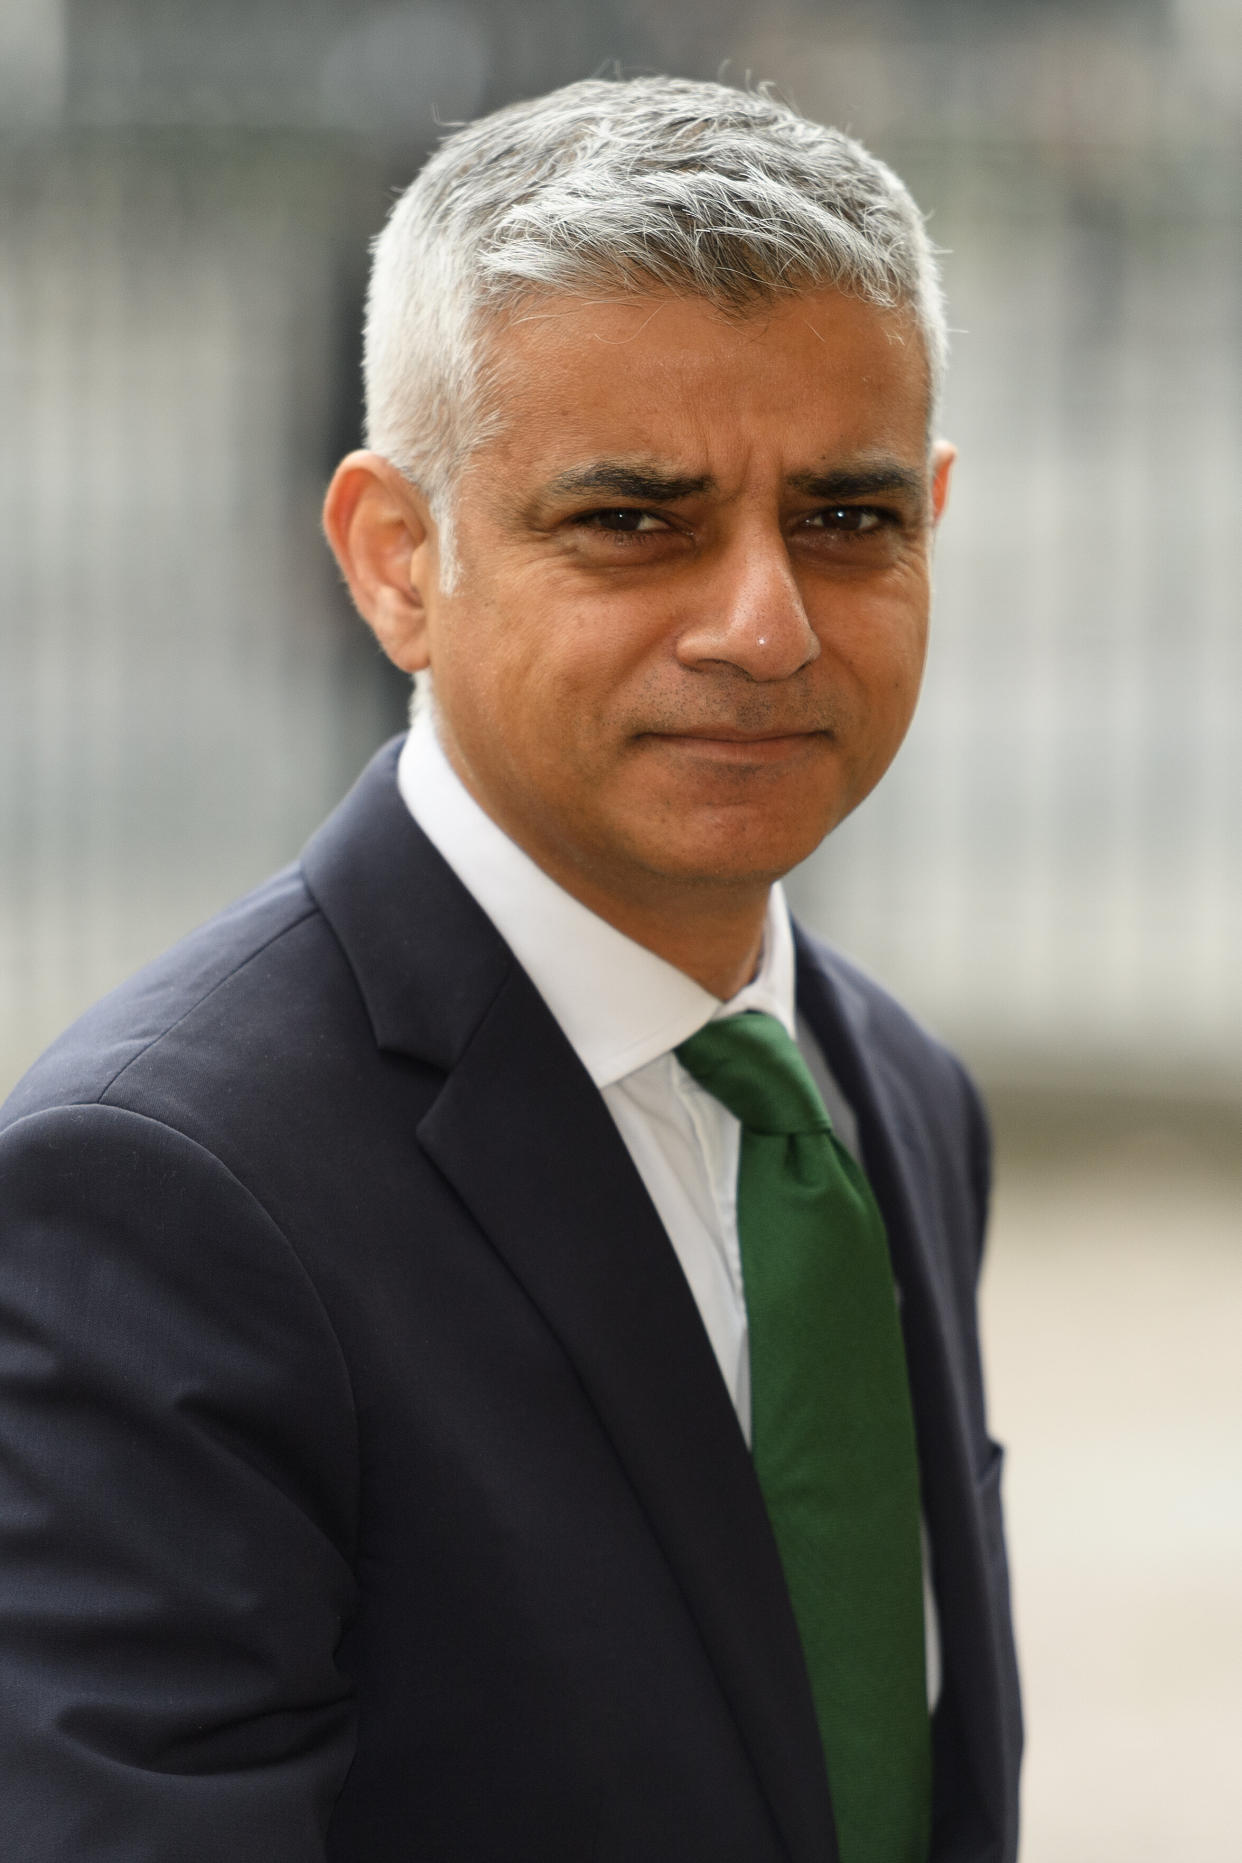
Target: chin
{"type": "Point", "coordinates": [737, 858]}
{"type": "Point", "coordinates": [738, 836]}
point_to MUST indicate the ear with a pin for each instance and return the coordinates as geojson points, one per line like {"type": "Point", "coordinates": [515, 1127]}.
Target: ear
{"type": "Point", "coordinates": [943, 454]}
{"type": "Point", "coordinates": [383, 536]}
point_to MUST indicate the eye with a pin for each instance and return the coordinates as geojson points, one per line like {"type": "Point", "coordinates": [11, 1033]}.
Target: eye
{"type": "Point", "coordinates": [857, 520]}
{"type": "Point", "coordinates": [863, 538]}
{"type": "Point", "coordinates": [626, 520]}
{"type": "Point", "coordinates": [622, 536]}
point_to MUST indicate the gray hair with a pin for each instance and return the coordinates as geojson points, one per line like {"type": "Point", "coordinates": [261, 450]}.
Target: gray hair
{"type": "Point", "coordinates": [613, 187]}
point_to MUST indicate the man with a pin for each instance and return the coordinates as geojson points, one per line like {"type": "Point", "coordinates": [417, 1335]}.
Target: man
{"type": "Point", "coordinates": [453, 1407]}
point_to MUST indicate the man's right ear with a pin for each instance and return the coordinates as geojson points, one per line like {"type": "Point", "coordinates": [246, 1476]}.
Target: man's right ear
{"type": "Point", "coordinates": [383, 536]}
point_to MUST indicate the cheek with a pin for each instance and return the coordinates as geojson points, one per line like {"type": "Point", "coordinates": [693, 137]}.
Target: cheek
{"type": "Point", "coordinates": [884, 648]}
{"type": "Point", "coordinates": [906, 665]}
{"type": "Point", "coordinates": [580, 670]}
{"type": "Point", "coordinates": [883, 660]}
{"type": "Point", "coordinates": [892, 636]}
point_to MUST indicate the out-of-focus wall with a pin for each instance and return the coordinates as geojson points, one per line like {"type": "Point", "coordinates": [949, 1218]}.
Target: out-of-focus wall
{"type": "Point", "coordinates": [183, 692]}
{"type": "Point", "coordinates": [1050, 873]}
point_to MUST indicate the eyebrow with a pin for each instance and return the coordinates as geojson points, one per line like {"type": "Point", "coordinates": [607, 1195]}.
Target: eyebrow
{"type": "Point", "coordinates": [615, 479]}
{"type": "Point", "coordinates": [621, 481]}
{"type": "Point", "coordinates": [875, 482]}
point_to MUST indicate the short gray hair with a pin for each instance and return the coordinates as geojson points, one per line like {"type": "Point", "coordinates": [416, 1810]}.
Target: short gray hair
{"type": "Point", "coordinates": [614, 187]}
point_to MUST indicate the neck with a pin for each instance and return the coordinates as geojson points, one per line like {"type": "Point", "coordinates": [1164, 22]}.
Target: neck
{"type": "Point", "coordinates": [711, 930]}
{"type": "Point", "coordinates": [712, 933]}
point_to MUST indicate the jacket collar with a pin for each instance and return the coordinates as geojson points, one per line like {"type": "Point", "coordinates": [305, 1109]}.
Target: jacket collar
{"type": "Point", "coordinates": [426, 958]}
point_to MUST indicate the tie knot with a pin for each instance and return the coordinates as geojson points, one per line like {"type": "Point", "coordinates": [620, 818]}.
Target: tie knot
{"type": "Point", "coordinates": [752, 1066]}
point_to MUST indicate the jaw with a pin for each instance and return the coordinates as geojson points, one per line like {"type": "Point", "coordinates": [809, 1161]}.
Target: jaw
{"type": "Point", "coordinates": [738, 828]}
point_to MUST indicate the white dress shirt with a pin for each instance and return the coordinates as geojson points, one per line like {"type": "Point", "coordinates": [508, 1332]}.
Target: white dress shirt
{"type": "Point", "coordinates": [623, 1011]}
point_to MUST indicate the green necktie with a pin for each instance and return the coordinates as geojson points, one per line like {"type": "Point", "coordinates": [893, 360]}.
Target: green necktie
{"type": "Point", "coordinates": [832, 1432]}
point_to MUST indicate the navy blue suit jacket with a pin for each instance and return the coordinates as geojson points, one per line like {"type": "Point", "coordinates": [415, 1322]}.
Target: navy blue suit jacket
{"type": "Point", "coordinates": [369, 1491]}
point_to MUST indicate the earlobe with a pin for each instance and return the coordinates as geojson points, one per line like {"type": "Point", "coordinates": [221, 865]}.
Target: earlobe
{"type": "Point", "coordinates": [381, 532]}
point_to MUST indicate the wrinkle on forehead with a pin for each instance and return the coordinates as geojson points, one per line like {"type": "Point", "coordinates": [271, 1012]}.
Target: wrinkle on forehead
{"type": "Point", "coordinates": [692, 365]}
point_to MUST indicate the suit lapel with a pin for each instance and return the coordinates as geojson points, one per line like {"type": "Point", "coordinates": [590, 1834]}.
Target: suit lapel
{"type": "Point", "coordinates": [893, 1139]}
{"type": "Point", "coordinates": [527, 1141]}
{"type": "Point", "coordinates": [528, 1144]}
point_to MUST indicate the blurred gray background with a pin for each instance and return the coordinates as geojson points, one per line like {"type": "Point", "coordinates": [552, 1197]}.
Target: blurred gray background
{"type": "Point", "coordinates": [1050, 876]}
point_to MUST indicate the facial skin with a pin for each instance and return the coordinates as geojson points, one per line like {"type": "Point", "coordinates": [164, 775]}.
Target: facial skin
{"type": "Point", "coordinates": [689, 622]}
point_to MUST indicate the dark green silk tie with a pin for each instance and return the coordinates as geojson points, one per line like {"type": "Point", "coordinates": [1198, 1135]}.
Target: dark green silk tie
{"type": "Point", "coordinates": [832, 1431]}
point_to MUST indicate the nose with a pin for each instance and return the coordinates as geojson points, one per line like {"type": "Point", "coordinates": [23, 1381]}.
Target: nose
{"type": "Point", "coordinates": [749, 613]}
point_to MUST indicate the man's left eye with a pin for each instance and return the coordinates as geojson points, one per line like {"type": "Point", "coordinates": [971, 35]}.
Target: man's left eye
{"type": "Point", "coordinates": [856, 518]}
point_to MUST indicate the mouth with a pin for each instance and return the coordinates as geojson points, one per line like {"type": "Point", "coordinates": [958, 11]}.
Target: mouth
{"type": "Point", "coordinates": [723, 744]}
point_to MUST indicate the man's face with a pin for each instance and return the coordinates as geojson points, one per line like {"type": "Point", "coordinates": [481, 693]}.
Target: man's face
{"type": "Point", "coordinates": [689, 620]}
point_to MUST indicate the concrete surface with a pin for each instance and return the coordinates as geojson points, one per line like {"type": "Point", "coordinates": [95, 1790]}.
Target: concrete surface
{"type": "Point", "coordinates": [1113, 1329]}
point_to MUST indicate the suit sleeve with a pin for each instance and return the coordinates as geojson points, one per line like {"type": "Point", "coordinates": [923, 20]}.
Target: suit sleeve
{"type": "Point", "coordinates": [177, 1461]}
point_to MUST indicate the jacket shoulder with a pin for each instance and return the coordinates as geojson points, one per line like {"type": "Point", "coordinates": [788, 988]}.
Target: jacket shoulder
{"type": "Point", "coordinates": [879, 1019]}
{"type": "Point", "coordinates": [134, 1019]}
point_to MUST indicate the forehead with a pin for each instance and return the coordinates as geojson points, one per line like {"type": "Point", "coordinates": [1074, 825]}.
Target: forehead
{"type": "Point", "coordinates": [673, 378]}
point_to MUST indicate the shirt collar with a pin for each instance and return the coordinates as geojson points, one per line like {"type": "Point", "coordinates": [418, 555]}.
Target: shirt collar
{"type": "Point", "coordinates": [619, 1005]}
